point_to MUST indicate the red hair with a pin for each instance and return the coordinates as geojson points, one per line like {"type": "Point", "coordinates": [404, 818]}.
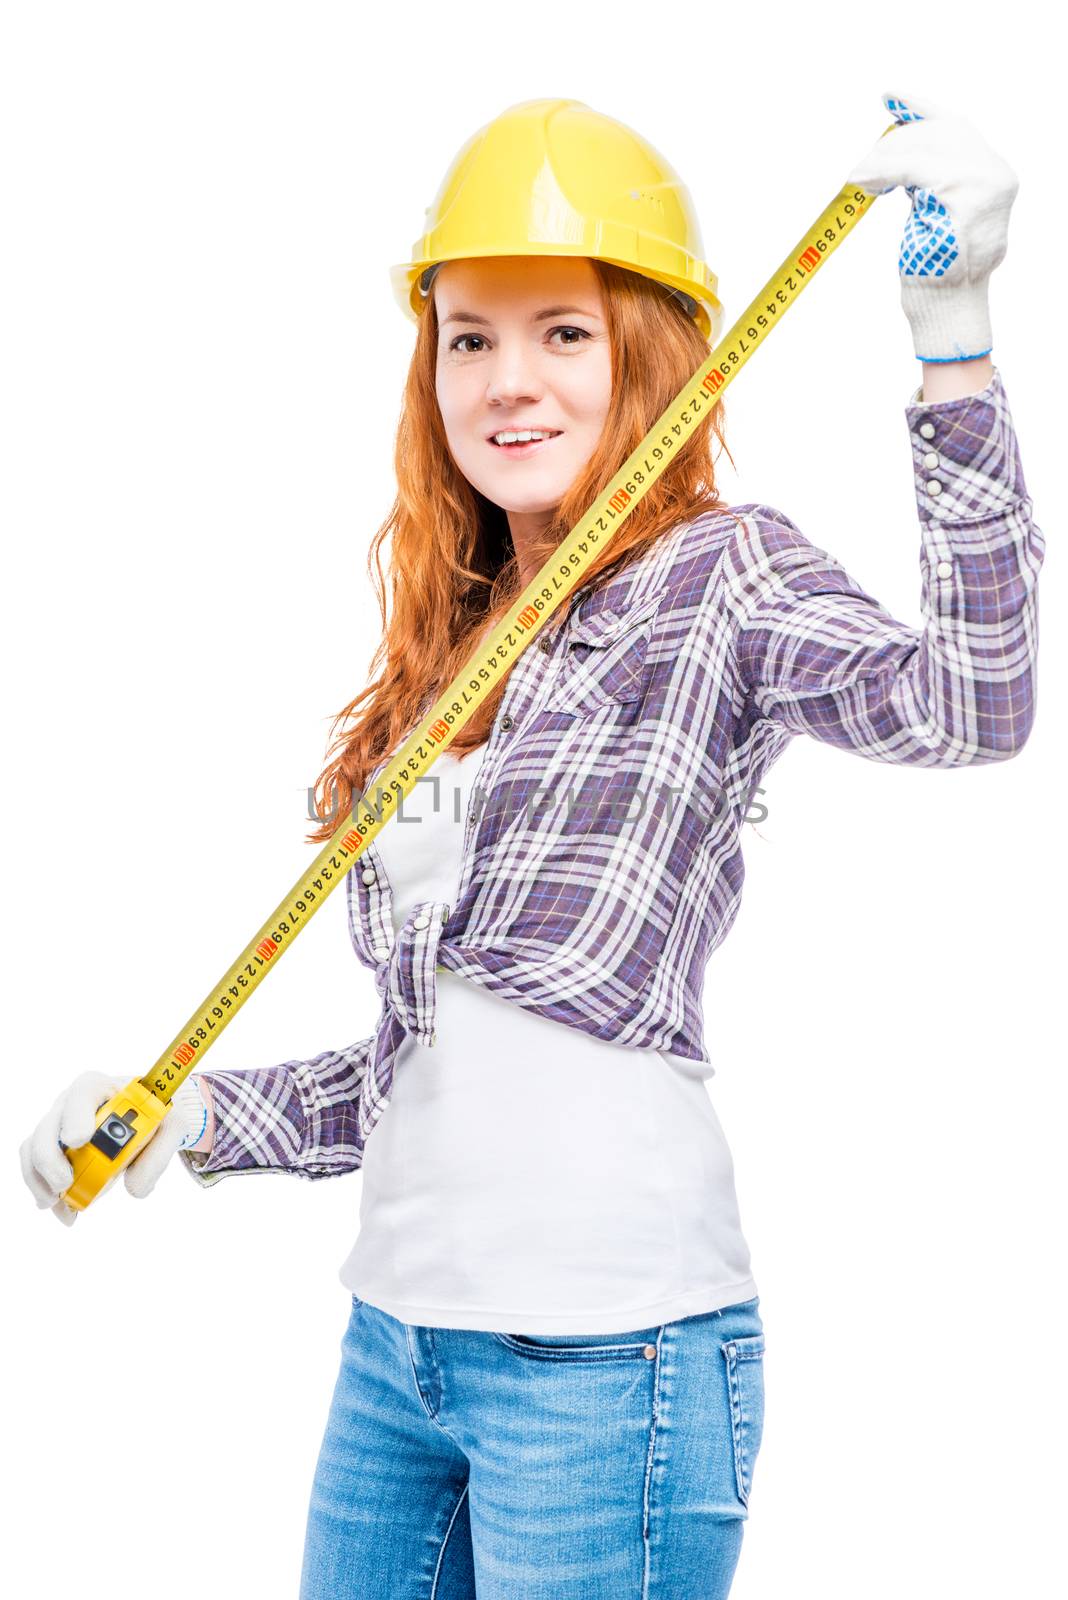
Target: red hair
{"type": "Point", "coordinates": [453, 570]}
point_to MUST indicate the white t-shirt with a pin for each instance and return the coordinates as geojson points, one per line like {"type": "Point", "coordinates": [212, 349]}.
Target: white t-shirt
{"type": "Point", "coordinates": [526, 1177]}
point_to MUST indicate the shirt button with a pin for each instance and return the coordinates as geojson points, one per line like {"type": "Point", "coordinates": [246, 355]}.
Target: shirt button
{"type": "Point", "coordinates": [421, 922]}
{"type": "Point", "coordinates": [380, 952]}
{"type": "Point", "coordinates": [649, 1352]}
{"type": "Point", "coordinates": [931, 459]}
{"type": "Point", "coordinates": [945, 569]}
{"type": "Point", "coordinates": [368, 875]}
{"type": "Point", "coordinates": [927, 430]}
{"type": "Point", "coordinates": [933, 486]}
{"type": "Point", "coordinates": [545, 644]}
{"type": "Point", "coordinates": [507, 721]}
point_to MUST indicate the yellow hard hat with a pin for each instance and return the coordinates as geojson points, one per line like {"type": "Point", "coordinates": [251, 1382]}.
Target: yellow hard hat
{"type": "Point", "coordinates": [555, 178]}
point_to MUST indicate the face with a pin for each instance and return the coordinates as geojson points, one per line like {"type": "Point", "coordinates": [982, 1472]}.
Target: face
{"type": "Point", "coordinates": [522, 344]}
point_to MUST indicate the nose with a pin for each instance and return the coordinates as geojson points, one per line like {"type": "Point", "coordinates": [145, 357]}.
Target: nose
{"type": "Point", "coordinates": [513, 379]}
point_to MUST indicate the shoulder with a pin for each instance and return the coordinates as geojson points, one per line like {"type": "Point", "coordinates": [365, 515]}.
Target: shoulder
{"type": "Point", "coordinates": [749, 555]}
{"type": "Point", "coordinates": [717, 545]}
{"type": "Point", "coordinates": [713, 552]}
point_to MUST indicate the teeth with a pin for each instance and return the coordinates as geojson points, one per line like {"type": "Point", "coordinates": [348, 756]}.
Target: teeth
{"type": "Point", "coordinates": [520, 438]}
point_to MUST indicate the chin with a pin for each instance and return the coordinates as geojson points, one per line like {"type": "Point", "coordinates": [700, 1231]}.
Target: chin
{"type": "Point", "coordinates": [546, 499]}
{"type": "Point", "coordinates": [528, 508]}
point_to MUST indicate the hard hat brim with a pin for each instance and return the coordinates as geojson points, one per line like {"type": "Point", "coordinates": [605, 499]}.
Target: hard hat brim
{"type": "Point", "coordinates": [405, 276]}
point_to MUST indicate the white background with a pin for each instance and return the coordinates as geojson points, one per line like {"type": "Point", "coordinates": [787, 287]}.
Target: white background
{"type": "Point", "coordinates": [202, 369]}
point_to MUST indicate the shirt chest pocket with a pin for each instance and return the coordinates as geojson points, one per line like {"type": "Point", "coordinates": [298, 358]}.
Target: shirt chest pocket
{"type": "Point", "coordinates": [602, 657]}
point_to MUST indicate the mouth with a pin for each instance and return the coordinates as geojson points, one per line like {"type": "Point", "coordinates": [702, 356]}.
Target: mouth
{"type": "Point", "coordinates": [527, 447]}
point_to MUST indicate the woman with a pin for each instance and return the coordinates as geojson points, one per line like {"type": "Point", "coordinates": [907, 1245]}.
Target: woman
{"type": "Point", "coordinates": [552, 1374]}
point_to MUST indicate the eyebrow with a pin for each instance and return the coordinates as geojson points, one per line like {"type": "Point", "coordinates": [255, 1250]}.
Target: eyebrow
{"type": "Point", "coordinates": [539, 316]}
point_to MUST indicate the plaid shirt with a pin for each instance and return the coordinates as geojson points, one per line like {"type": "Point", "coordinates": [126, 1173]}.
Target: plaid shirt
{"type": "Point", "coordinates": [602, 859]}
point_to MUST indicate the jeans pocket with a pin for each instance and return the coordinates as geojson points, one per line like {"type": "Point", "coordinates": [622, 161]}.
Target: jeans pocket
{"type": "Point", "coordinates": [744, 1358]}
{"type": "Point", "coordinates": [640, 1345]}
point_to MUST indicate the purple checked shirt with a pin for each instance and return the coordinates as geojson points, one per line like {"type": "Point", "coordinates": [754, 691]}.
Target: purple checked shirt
{"type": "Point", "coordinates": [602, 860]}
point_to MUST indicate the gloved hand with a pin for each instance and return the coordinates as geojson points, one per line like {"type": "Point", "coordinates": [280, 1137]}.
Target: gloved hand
{"type": "Point", "coordinates": [955, 235]}
{"type": "Point", "coordinates": [72, 1119]}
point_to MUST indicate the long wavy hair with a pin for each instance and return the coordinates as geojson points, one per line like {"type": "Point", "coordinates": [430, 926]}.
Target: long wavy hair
{"type": "Point", "coordinates": [453, 568]}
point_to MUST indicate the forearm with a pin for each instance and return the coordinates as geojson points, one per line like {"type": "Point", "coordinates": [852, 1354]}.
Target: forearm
{"type": "Point", "coordinates": [950, 380]}
{"type": "Point", "coordinates": [300, 1116]}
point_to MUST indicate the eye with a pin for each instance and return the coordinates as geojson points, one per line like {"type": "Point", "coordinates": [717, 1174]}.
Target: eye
{"type": "Point", "coordinates": [456, 343]}
{"type": "Point", "coordinates": [460, 339]}
{"type": "Point", "coordinates": [582, 334]}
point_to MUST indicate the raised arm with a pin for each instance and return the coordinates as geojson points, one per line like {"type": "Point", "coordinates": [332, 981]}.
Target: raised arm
{"type": "Point", "coordinates": [820, 655]}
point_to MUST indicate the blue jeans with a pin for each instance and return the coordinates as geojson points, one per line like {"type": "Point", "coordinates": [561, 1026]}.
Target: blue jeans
{"type": "Point", "coordinates": [463, 1465]}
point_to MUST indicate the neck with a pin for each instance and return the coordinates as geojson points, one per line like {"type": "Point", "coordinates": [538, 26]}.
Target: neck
{"type": "Point", "coordinates": [525, 527]}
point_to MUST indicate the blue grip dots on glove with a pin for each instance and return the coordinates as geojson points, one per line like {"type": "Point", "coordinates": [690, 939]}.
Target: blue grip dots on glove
{"type": "Point", "coordinates": [929, 245]}
{"type": "Point", "coordinates": [956, 230]}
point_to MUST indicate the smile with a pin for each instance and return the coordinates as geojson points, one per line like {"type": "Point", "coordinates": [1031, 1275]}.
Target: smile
{"type": "Point", "coordinates": [524, 447]}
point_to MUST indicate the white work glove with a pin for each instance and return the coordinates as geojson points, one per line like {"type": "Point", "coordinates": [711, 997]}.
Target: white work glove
{"type": "Point", "coordinates": [72, 1119]}
{"type": "Point", "coordinates": [956, 233]}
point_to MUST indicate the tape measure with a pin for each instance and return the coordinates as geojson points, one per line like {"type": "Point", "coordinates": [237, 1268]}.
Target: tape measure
{"type": "Point", "coordinates": [130, 1117]}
